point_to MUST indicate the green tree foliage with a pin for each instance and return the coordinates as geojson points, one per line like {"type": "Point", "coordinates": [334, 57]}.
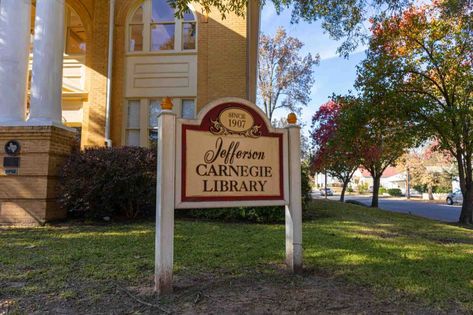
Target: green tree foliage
{"type": "Point", "coordinates": [343, 20]}
{"type": "Point", "coordinates": [425, 55]}
{"type": "Point", "coordinates": [379, 133]}
{"type": "Point", "coordinates": [430, 170]}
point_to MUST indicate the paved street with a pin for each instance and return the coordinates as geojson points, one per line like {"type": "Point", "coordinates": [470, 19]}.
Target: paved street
{"type": "Point", "coordinates": [441, 212]}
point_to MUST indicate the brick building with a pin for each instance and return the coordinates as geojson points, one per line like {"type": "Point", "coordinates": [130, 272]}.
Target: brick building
{"type": "Point", "coordinates": [151, 55]}
{"type": "Point", "coordinates": [102, 67]}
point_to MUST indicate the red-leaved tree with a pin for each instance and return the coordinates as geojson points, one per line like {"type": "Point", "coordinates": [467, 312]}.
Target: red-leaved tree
{"type": "Point", "coordinates": [334, 154]}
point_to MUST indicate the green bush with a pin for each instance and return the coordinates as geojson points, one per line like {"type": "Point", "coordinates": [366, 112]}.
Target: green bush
{"type": "Point", "coordinates": [111, 182]}
{"type": "Point", "coordinates": [350, 189]}
{"type": "Point", "coordinates": [420, 188]}
{"type": "Point", "coordinates": [106, 182]}
{"type": "Point", "coordinates": [396, 192]}
{"type": "Point", "coordinates": [305, 183]}
{"type": "Point", "coordinates": [249, 214]}
{"type": "Point", "coordinates": [382, 190]}
{"type": "Point", "coordinates": [442, 189]}
{"type": "Point", "coordinates": [362, 188]}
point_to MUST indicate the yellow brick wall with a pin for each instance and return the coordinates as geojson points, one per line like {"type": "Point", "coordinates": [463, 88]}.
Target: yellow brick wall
{"type": "Point", "coordinates": [29, 197]}
{"type": "Point", "coordinates": [221, 65]}
{"type": "Point", "coordinates": [222, 58]}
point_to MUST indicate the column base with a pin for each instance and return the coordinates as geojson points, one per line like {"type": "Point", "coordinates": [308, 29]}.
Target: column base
{"type": "Point", "coordinates": [28, 191]}
{"type": "Point", "coordinates": [46, 122]}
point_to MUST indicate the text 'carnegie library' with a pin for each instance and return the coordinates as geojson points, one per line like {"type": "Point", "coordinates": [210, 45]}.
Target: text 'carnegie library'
{"type": "Point", "coordinates": [241, 178]}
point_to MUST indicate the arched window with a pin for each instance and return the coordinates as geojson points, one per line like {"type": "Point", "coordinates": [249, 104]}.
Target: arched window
{"type": "Point", "coordinates": [154, 27]}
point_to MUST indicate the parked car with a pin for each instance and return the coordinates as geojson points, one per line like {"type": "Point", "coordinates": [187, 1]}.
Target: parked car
{"type": "Point", "coordinates": [455, 197]}
{"type": "Point", "coordinates": [326, 191]}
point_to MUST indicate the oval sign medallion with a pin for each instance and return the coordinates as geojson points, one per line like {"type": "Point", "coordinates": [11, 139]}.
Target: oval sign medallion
{"type": "Point", "coordinates": [236, 119]}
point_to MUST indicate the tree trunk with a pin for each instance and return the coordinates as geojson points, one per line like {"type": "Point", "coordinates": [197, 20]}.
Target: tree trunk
{"type": "Point", "coordinates": [466, 215]}
{"type": "Point", "coordinates": [466, 184]}
{"type": "Point", "coordinates": [429, 191]}
{"type": "Point", "coordinates": [376, 184]}
{"type": "Point", "coordinates": [342, 195]}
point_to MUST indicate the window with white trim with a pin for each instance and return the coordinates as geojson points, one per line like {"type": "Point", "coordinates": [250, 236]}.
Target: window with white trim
{"type": "Point", "coordinates": [153, 27]}
{"type": "Point", "coordinates": [142, 119]}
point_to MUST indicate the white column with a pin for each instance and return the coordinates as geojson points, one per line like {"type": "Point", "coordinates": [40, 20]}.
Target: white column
{"type": "Point", "coordinates": [164, 250]}
{"type": "Point", "coordinates": [294, 209]}
{"type": "Point", "coordinates": [15, 17]}
{"type": "Point", "coordinates": [48, 50]}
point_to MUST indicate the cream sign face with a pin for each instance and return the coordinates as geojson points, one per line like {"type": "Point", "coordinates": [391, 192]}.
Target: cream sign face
{"type": "Point", "coordinates": [232, 155]}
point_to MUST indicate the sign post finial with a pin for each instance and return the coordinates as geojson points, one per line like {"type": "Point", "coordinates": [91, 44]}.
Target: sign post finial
{"type": "Point", "coordinates": [167, 104]}
{"type": "Point", "coordinates": [292, 118]}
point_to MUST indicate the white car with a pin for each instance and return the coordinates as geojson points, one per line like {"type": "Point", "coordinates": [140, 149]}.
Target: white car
{"type": "Point", "coordinates": [327, 191]}
{"type": "Point", "coordinates": [455, 197]}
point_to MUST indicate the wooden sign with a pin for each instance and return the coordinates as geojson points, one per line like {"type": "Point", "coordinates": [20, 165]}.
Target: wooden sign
{"type": "Point", "coordinates": [231, 155]}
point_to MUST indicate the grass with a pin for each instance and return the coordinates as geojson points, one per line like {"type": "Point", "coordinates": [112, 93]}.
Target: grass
{"type": "Point", "coordinates": [393, 254]}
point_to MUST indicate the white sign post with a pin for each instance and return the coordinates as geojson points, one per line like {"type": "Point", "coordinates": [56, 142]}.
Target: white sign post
{"type": "Point", "coordinates": [294, 208]}
{"type": "Point", "coordinates": [164, 251]}
{"type": "Point", "coordinates": [229, 157]}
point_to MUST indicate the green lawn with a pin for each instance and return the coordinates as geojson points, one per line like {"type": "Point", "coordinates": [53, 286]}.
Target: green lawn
{"type": "Point", "coordinates": [393, 254]}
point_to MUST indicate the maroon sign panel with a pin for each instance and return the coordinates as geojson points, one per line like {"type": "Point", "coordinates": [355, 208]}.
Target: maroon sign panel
{"type": "Point", "coordinates": [231, 156]}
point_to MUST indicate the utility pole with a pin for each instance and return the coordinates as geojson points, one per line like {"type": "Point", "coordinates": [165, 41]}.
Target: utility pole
{"type": "Point", "coordinates": [408, 185]}
{"type": "Point", "coordinates": [325, 188]}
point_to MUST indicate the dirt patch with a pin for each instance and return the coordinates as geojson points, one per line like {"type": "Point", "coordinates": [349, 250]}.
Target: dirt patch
{"type": "Point", "coordinates": [275, 292]}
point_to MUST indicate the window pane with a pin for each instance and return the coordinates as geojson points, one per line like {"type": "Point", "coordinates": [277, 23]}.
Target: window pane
{"type": "Point", "coordinates": [136, 37]}
{"type": "Point", "coordinates": [138, 16]}
{"type": "Point", "coordinates": [162, 11]}
{"type": "Point", "coordinates": [162, 36]}
{"type": "Point", "coordinates": [188, 109]}
{"type": "Point", "coordinates": [133, 138]}
{"type": "Point", "coordinates": [188, 16]}
{"type": "Point", "coordinates": [154, 110]}
{"type": "Point", "coordinates": [188, 35]}
{"type": "Point", "coordinates": [133, 120]}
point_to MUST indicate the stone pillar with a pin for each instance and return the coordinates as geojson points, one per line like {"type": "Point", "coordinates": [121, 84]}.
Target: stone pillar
{"type": "Point", "coordinates": [294, 209]}
{"type": "Point", "coordinates": [29, 196]}
{"type": "Point", "coordinates": [14, 51]}
{"type": "Point", "coordinates": [48, 50]}
{"type": "Point", "coordinates": [164, 251]}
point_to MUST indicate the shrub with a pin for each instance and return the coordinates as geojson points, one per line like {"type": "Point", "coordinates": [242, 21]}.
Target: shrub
{"type": "Point", "coordinates": [395, 192]}
{"type": "Point", "coordinates": [305, 184]}
{"type": "Point", "coordinates": [350, 189]}
{"type": "Point", "coordinates": [249, 214]}
{"type": "Point", "coordinates": [362, 188]}
{"type": "Point", "coordinates": [102, 182]}
{"type": "Point", "coordinates": [382, 190]}
{"type": "Point", "coordinates": [106, 182]}
{"type": "Point", "coordinates": [442, 189]}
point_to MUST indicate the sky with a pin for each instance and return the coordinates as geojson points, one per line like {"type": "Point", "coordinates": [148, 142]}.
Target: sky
{"type": "Point", "coordinates": [334, 74]}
